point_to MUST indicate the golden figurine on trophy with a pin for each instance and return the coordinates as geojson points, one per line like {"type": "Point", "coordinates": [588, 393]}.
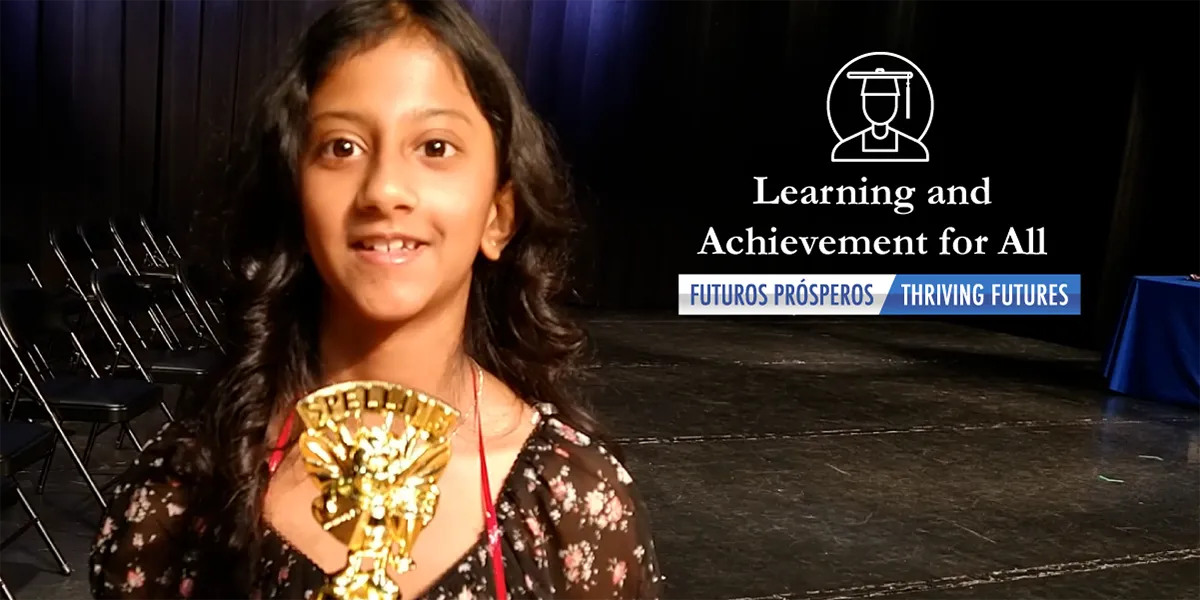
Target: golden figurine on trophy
{"type": "Point", "coordinates": [376, 451]}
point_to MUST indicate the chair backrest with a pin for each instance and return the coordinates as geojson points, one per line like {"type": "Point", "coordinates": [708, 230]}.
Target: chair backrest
{"type": "Point", "coordinates": [98, 235]}
{"type": "Point", "coordinates": [130, 305]}
{"type": "Point", "coordinates": [163, 245]}
{"type": "Point", "coordinates": [131, 244]}
{"type": "Point", "coordinates": [129, 228]}
{"type": "Point", "coordinates": [68, 242]}
{"type": "Point", "coordinates": [122, 294]}
{"type": "Point", "coordinates": [36, 327]}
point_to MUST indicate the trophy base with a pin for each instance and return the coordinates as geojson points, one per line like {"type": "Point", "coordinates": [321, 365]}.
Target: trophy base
{"type": "Point", "coordinates": [332, 592]}
{"type": "Point", "coordinates": [354, 584]}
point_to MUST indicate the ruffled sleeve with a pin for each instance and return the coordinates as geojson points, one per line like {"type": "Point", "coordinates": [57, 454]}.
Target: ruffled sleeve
{"type": "Point", "coordinates": [583, 524]}
{"type": "Point", "coordinates": [148, 545]}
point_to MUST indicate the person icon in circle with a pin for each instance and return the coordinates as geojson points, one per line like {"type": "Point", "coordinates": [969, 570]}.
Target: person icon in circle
{"type": "Point", "coordinates": [881, 142]}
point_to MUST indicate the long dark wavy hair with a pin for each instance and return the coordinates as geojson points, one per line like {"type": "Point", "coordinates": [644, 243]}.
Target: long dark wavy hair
{"type": "Point", "coordinates": [513, 328]}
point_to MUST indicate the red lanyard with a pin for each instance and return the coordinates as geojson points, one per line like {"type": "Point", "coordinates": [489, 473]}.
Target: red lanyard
{"type": "Point", "coordinates": [284, 435]}
{"type": "Point", "coordinates": [489, 509]}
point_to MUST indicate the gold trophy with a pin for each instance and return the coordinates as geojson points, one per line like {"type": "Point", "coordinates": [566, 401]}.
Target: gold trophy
{"type": "Point", "coordinates": [376, 451]}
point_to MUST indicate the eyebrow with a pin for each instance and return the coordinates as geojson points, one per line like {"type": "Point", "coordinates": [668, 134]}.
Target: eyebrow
{"type": "Point", "coordinates": [428, 113]}
{"type": "Point", "coordinates": [423, 113]}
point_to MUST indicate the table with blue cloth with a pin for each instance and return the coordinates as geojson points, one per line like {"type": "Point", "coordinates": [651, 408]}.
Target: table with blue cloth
{"type": "Point", "coordinates": [1156, 351]}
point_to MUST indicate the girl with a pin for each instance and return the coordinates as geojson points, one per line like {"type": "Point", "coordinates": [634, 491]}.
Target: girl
{"type": "Point", "coordinates": [404, 220]}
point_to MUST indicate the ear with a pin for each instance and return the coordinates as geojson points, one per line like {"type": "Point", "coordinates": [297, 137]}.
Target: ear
{"type": "Point", "coordinates": [501, 224]}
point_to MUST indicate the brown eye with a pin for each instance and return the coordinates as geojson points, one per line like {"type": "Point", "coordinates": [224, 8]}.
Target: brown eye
{"type": "Point", "coordinates": [341, 149]}
{"type": "Point", "coordinates": [437, 149]}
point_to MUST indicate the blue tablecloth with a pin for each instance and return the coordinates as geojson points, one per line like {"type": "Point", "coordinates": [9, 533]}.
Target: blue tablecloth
{"type": "Point", "coordinates": [1156, 351]}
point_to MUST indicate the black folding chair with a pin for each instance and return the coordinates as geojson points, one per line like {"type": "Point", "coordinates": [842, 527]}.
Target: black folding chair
{"type": "Point", "coordinates": [123, 298]}
{"type": "Point", "coordinates": [208, 284]}
{"type": "Point", "coordinates": [102, 242]}
{"type": "Point", "coordinates": [135, 241]}
{"type": "Point", "coordinates": [170, 281]}
{"type": "Point", "coordinates": [81, 250]}
{"type": "Point", "coordinates": [74, 392]}
{"type": "Point", "coordinates": [21, 446]}
{"type": "Point", "coordinates": [75, 257]}
{"type": "Point", "coordinates": [18, 270]}
{"type": "Point", "coordinates": [161, 250]}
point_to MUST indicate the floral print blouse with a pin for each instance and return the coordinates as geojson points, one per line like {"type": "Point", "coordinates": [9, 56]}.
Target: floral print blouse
{"type": "Point", "coordinates": [573, 527]}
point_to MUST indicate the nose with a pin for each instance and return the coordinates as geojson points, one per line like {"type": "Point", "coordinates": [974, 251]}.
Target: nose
{"type": "Point", "coordinates": [385, 188]}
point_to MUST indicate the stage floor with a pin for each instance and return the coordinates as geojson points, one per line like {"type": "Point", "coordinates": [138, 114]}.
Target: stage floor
{"type": "Point", "coordinates": [856, 458]}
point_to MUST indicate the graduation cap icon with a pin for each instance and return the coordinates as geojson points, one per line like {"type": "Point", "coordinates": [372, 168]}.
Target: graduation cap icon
{"type": "Point", "coordinates": [880, 94]}
{"type": "Point", "coordinates": [886, 83]}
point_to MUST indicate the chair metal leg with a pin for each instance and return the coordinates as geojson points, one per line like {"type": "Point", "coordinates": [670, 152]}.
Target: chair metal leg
{"type": "Point", "coordinates": [208, 329]}
{"type": "Point", "coordinates": [4, 593]}
{"type": "Point", "coordinates": [73, 284]}
{"type": "Point", "coordinates": [169, 329]}
{"type": "Point", "coordinates": [37, 522]}
{"type": "Point", "coordinates": [54, 420]}
{"type": "Point", "coordinates": [212, 311]}
{"type": "Point", "coordinates": [186, 315]}
{"type": "Point", "coordinates": [79, 466]}
{"type": "Point", "coordinates": [132, 355]}
{"type": "Point", "coordinates": [126, 427]}
{"type": "Point", "coordinates": [41, 486]}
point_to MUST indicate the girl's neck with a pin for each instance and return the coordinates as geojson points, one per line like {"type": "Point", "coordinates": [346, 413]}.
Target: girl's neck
{"type": "Point", "coordinates": [424, 353]}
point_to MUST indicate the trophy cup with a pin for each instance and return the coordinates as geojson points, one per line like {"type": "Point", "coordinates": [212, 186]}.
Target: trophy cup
{"type": "Point", "coordinates": [376, 451]}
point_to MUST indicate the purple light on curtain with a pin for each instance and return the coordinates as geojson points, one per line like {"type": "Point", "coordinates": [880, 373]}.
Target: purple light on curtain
{"type": "Point", "coordinates": [543, 52]}
{"type": "Point", "coordinates": [574, 57]}
{"type": "Point", "coordinates": [613, 40]}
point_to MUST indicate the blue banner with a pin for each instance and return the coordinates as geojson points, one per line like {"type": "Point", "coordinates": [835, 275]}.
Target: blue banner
{"type": "Point", "coordinates": [983, 295]}
{"type": "Point", "coordinates": [873, 294]}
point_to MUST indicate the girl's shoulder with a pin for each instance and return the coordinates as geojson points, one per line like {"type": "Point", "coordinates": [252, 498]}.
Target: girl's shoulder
{"type": "Point", "coordinates": [576, 485]}
{"type": "Point", "coordinates": [148, 536]}
{"type": "Point", "coordinates": [558, 445]}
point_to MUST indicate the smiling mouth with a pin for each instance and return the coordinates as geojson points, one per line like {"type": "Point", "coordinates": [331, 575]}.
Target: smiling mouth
{"type": "Point", "coordinates": [388, 252]}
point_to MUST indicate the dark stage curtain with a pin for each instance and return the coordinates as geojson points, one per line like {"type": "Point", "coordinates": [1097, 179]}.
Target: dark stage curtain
{"type": "Point", "coordinates": [132, 106]}
{"type": "Point", "coordinates": [1082, 114]}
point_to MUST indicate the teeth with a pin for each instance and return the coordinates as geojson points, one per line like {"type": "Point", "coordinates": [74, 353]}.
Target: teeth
{"type": "Point", "coordinates": [393, 246]}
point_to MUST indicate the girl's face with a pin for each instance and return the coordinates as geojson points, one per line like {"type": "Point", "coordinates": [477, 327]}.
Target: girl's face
{"type": "Point", "coordinates": [398, 181]}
